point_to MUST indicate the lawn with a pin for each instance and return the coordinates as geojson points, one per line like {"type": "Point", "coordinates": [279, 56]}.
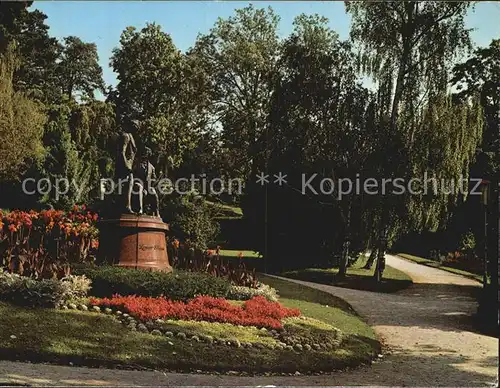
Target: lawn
{"type": "Point", "coordinates": [92, 339]}
{"type": "Point", "coordinates": [437, 264]}
{"type": "Point", "coordinates": [357, 277]}
{"type": "Point", "coordinates": [225, 211]}
{"type": "Point", "coordinates": [236, 253]}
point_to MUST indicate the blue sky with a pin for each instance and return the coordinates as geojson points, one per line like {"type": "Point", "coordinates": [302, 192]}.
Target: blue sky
{"type": "Point", "coordinates": [103, 22]}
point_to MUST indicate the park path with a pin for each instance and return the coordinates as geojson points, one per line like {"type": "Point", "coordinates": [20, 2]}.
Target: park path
{"type": "Point", "coordinates": [426, 331]}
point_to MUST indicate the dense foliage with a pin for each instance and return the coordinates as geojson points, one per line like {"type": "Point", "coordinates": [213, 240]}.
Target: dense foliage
{"type": "Point", "coordinates": [25, 291]}
{"type": "Point", "coordinates": [107, 281]}
{"type": "Point", "coordinates": [21, 122]}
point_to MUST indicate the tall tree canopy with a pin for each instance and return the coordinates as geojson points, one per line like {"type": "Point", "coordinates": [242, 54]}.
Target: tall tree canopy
{"type": "Point", "coordinates": [409, 49]}
{"type": "Point", "coordinates": [240, 54]}
{"type": "Point", "coordinates": [21, 123]}
{"type": "Point", "coordinates": [78, 69]}
{"type": "Point", "coordinates": [153, 88]}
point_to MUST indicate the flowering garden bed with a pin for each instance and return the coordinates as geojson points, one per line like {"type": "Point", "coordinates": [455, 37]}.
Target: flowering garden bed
{"type": "Point", "coordinates": [257, 311]}
{"type": "Point", "coordinates": [45, 244]}
{"type": "Point", "coordinates": [57, 305]}
{"type": "Point", "coordinates": [328, 338]}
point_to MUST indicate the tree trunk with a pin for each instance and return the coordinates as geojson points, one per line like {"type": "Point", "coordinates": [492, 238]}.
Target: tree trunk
{"type": "Point", "coordinates": [371, 259]}
{"type": "Point", "coordinates": [406, 36]}
{"type": "Point", "coordinates": [379, 268]}
{"type": "Point", "coordinates": [344, 261]}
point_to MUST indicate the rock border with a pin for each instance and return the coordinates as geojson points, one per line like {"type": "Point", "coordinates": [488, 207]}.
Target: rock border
{"type": "Point", "coordinates": [155, 328]}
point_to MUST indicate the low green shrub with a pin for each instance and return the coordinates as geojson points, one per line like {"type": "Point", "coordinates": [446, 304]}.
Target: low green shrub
{"type": "Point", "coordinates": [246, 293]}
{"type": "Point", "coordinates": [179, 285]}
{"type": "Point", "coordinates": [25, 291]}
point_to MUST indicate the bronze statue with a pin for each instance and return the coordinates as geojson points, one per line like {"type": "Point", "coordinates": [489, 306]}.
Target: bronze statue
{"type": "Point", "coordinates": [146, 177]}
{"type": "Point", "coordinates": [124, 165]}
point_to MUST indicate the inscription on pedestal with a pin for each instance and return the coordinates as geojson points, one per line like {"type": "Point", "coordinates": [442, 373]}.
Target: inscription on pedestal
{"type": "Point", "coordinates": [144, 247]}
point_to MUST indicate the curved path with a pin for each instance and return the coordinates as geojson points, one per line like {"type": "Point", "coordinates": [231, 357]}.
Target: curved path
{"type": "Point", "coordinates": [426, 331]}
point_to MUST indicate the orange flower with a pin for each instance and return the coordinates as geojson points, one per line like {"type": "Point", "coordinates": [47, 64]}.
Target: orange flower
{"type": "Point", "coordinates": [12, 228]}
{"type": "Point", "coordinates": [176, 243]}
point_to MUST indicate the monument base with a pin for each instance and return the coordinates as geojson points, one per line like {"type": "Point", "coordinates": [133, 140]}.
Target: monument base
{"type": "Point", "coordinates": [134, 241]}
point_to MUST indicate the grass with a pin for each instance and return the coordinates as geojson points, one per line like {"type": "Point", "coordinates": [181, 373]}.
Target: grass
{"type": "Point", "coordinates": [85, 338]}
{"type": "Point", "coordinates": [225, 211]}
{"type": "Point", "coordinates": [224, 331]}
{"type": "Point", "coordinates": [236, 252]}
{"type": "Point", "coordinates": [437, 264]}
{"type": "Point", "coordinates": [357, 277]}
{"type": "Point", "coordinates": [323, 306]}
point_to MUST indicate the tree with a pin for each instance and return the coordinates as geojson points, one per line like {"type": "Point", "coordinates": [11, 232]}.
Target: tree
{"type": "Point", "coordinates": [154, 88]}
{"type": "Point", "coordinates": [240, 55]}
{"type": "Point", "coordinates": [79, 70]}
{"type": "Point", "coordinates": [409, 46]}
{"type": "Point", "coordinates": [409, 49]}
{"type": "Point", "coordinates": [64, 161]}
{"type": "Point", "coordinates": [317, 124]}
{"type": "Point", "coordinates": [21, 123]}
{"type": "Point", "coordinates": [11, 12]}
{"type": "Point", "coordinates": [37, 52]}
{"type": "Point", "coordinates": [92, 129]}
{"type": "Point", "coordinates": [480, 75]}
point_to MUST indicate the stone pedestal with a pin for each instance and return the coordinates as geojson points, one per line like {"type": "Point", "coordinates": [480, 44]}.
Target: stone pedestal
{"type": "Point", "coordinates": [134, 241]}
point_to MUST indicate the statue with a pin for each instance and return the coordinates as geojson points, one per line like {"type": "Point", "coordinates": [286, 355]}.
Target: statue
{"type": "Point", "coordinates": [128, 239]}
{"type": "Point", "coordinates": [146, 176]}
{"type": "Point", "coordinates": [124, 165]}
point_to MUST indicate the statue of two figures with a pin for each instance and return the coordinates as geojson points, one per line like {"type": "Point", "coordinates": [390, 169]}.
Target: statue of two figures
{"type": "Point", "coordinates": [135, 177]}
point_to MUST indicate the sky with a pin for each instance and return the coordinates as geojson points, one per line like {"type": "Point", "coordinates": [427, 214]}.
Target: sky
{"type": "Point", "coordinates": [102, 22]}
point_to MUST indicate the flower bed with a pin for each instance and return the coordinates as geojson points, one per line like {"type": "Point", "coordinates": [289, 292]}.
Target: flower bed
{"type": "Point", "coordinates": [44, 244]}
{"type": "Point", "coordinates": [184, 257]}
{"type": "Point", "coordinates": [257, 311]}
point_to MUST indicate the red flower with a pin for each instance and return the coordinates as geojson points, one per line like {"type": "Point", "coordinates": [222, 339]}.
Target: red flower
{"type": "Point", "coordinates": [255, 312]}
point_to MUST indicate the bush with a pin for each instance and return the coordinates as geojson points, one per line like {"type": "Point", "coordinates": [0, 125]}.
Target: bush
{"type": "Point", "coordinates": [25, 291]}
{"type": "Point", "coordinates": [246, 293]}
{"type": "Point", "coordinates": [255, 312]}
{"type": "Point", "coordinates": [108, 280]}
{"type": "Point", "coordinates": [192, 220]}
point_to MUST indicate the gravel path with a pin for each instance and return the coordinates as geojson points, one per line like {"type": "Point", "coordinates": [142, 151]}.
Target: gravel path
{"type": "Point", "coordinates": [426, 331]}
